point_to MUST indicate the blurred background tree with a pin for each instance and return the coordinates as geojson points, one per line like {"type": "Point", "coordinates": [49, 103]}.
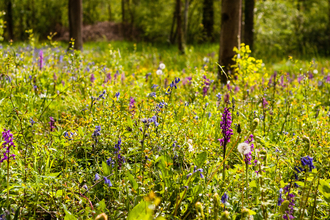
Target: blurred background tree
{"type": "Point", "coordinates": [277, 28]}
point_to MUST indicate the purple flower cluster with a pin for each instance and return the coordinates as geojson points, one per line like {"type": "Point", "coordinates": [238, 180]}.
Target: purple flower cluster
{"type": "Point", "coordinates": [206, 85]}
{"type": "Point", "coordinates": [225, 125]}
{"type": "Point", "coordinates": [41, 59]}
{"type": "Point", "coordinates": [153, 119]}
{"type": "Point", "coordinates": [92, 78]}
{"type": "Point", "coordinates": [280, 199]}
{"type": "Point", "coordinates": [200, 170]}
{"type": "Point", "coordinates": [120, 158]}
{"type": "Point", "coordinates": [52, 123]}
{"type": "Point", "coordinates": [224, 198]}
{"type": "Point", "coordinates": [290, 210]}
{"type": "Point", "coordinates": [308, 161]}
{"type": "Point", "coordinates": [131, 103]}
{"type": "Point", "coordinates": [8, 138]}
{"type": "Point", "coordinates": [96, 133]}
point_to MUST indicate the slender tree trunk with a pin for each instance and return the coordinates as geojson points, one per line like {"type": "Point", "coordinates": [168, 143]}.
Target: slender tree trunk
{"type": "Point", "coordinates": [186, 8]}
{"type": "Point", "coordinates": [172, 38]}
{"type": "Point", "coordinates": [75, 23]}
{"type": "Point", "coordinates": [179, 26]}
{"type": "Point", "coordinates": [230, 24]}
{"type": "Point", "coordinates": [9, 16]}
{"type": "Point", "coordinates": [109, 11]}
{"type": "Point", "coordinates": [249, 22]}
{"type": "Point", "coordinates": [123, 18]}
{"type": "Point", "coordinates": [208, 19]}
{"type": "Point", "coordinates": [329, 26]}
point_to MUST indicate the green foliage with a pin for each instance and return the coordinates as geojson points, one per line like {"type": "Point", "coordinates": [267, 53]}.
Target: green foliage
{"type": "Point", "coordinates": [157, 153]}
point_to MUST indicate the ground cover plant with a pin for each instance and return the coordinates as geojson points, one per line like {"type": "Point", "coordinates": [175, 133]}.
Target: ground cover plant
{"type": "Point", "coordinates": [126, 131]}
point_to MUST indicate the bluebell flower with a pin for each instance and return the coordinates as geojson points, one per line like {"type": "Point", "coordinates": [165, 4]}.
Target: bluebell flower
{"type": "Point", "coordinates": [219, 96]}
{"type": "Point", "coordinates": [117, 146]}
{"type": "Point", "coordinates": [32, 122]}
{"type": "Point", "coordinates": [154, 86]}
{"type": "Point", "coordinates": [117, 95]}
{"type": "Point", "coordinates": [224, 198]}
{"type": "Point", "coordinates": [97, 177]}
{"type": "Point", "coordinates": [280, 199]}
{"type": "Point", "coordinates": [107, 181]}
{"type": "Point", "coordinates": [154, 120]}
{"type": "Point", "coordinates": [97, 131]}
{"type": "Point", "coordinates": [209, 114]}
{"type": "Point", "coordinates": [152, 94]}
{"type": "Point", "coordinates": [189, 174]}
{"type": "Point", "coordinates": [307, 161]}
{"type": "Point", "coordinates": [110, 162]}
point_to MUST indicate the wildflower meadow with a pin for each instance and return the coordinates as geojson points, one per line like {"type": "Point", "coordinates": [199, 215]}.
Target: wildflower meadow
{"type": "Point", "coordinates": [129, 131]}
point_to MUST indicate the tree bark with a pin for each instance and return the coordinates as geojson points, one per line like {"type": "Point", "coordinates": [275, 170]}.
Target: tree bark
{"type": "Point", "coordinates": [123, 18]}
{"type": "Point", "coordinates": [208, 19]}
{"type": "Point", "coordinates": [248, 23]}
{"type": "Point", "coordinates": [179, 26]}
{"type": "Point", "coordinates": [9, 19]}
{"type": "Point", "coordinates": [230, 23]}
{"type": "Point", "coordinates": [109, 10]}
{"type": "Point", "coordinates": [75, 23]}
{"type": "Point", "coordinates": [186, 8]}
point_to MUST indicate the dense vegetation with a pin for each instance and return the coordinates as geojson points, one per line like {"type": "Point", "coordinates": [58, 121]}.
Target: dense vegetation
{"type": "Point", "coordinates": [133, 131]}
{"type": "Point", "coordinates": [141, 131]}
{"type": "Point", "coordinates": [293, 27]}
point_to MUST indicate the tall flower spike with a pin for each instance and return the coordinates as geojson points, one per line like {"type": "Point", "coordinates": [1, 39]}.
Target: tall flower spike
{"type": "Point", "coordinates": [225, 125]}
{"type": "Point", "coordinates": [8, 143]}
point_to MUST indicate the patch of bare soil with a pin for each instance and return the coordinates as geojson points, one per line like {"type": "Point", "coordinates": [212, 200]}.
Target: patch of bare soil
{"type": "Point", "coordinates": [101, 31]}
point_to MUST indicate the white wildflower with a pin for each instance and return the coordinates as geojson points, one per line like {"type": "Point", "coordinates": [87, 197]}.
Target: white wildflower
{"type": "Point", "coordinates": [190, 146]}
{"type": "Point", "coordinates": [206, 60]}
{"type": "Point", "coordinates": [315, 71]}
{"type": "Point", "coordinates": [159, 72]}
{"type": "Point", "coordinates": [162, 66]}
{"type": "Point", "coordinates": [244, 148]}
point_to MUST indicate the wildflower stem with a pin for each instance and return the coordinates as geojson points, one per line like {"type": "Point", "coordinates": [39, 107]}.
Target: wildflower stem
{"type": "Point", "coordinates": [8, 204]}
{"type": "Point", "coordinates": [214, 172]}
{"type": "Point", "coordinates": [246, 180]}
{"type": "Point", "coordinates": [315, 196]}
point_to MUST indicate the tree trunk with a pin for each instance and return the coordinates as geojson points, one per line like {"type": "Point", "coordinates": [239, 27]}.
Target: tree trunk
{"type": "Point", "coordinates": [123, 18]}
{"type": "Point", "coordinates": [230, 24]}
{"type": "Point", "coordinates": [179, 26]}
{"type": "Point", "coordinates": [186, 7]}
{"type": "Point", "coordinates": [109, 11]}
{"type": "Point", "coordinates": [208, 19]}
{"type": "Point", "coordinates": [9, 19]}
{"type": "Point", "coordinates": [75, 23]}
{"type": "Point", "coordinates": [172, 38]}
{"type": "Point", "coordinates": [248, 22]}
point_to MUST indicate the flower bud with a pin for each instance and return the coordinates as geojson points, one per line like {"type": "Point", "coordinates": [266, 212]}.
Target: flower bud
{"type": "Point", "coordinates": [284, 206]}
{"type": "Point", "coordinates": [225, 216]}
{"type": "Point", "coordinates": [255, 124]}
{"type": "Point", "coordinates": [102, 216]}
{"type": "Point", "coordinates": [199, 209]}
{"type": "Point", "coordinates": [307, 143]}
{"type": "Point", "coordinates": [245, 213]}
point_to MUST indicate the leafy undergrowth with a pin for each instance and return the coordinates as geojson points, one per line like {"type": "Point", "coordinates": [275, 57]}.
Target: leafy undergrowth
{"type": "Point", "coordinates": [130, 134]}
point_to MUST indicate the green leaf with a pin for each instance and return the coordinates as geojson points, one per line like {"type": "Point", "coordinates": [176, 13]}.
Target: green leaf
{"type": "Point", "coordinates": [132, 180]}
{"type": "Point", "coordinates": [59, 193]}
{"type": "Point", "coordinates": [105, 168]}
{"type": "Point", "coordinates": [101, 206]}
{"type": "Point", "coordinates": [68, 215]}
{"type": "Point", "coordinates": [253, 184]}
{"type": "Point", "coordinates": [140, 212]}
{"type": "Point", "coordinates": [200, 159]}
